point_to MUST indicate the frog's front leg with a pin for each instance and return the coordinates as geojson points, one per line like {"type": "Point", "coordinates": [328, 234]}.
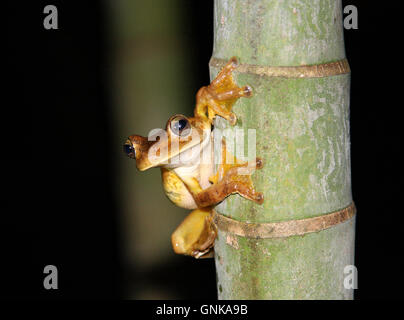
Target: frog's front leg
{"type": "Point", "coordinates": [196, 235]}
{"type": "Point", "coordinates": [232, 177]}
{"type": "Point", "coordinates": [237, 180]}
{"type": "Point", "coordinates": [219, 96]}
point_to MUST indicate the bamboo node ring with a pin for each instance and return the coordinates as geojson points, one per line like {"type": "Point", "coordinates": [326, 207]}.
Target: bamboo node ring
{"type": "Point", "coordinates": [305, 71]}
{"type": "Point", "coordinates": [283, 229]}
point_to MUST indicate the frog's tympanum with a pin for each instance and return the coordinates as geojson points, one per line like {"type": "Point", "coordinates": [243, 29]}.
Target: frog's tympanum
{"type": "Point", "coordinates": [184, 152]}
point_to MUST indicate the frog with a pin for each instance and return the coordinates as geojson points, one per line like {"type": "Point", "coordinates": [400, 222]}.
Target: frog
{"type": "Point", "coordinates": [189, 182]}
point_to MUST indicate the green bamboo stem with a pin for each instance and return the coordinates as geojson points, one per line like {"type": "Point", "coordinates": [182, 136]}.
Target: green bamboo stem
{"type": "Point", "coordinates": [302, 133]}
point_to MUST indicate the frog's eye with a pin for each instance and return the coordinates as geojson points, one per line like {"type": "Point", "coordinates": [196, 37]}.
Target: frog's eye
{"type": "Point", "coordinates": [180, 126]}
{"type": "Point", "coordinates": [129, 150]}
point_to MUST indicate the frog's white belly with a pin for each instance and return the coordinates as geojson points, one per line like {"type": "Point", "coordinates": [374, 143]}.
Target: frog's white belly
{"type": "Point", "coordinates": [175, 188]}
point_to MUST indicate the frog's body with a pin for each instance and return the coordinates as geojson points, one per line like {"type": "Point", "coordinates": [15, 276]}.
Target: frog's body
{"type": "Point", "coordinates": [175, 187]}
{"type": "Point", "coordinates": [184, 151]}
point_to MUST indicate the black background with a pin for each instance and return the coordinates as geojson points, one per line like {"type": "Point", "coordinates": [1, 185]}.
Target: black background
{"type": "Point", "coordinates": [55, 105]}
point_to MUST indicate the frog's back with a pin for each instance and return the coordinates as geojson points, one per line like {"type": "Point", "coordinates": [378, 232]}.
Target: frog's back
{"type": "Point", "coordinates": [176, 190]}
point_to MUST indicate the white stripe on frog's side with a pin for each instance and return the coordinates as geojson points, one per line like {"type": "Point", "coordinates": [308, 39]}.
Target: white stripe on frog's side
{"type": "Point", "coordinates": [200, 164]}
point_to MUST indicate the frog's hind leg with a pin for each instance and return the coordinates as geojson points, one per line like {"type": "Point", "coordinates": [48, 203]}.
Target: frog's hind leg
{"type": "Point", "coordinates": [196, 235]}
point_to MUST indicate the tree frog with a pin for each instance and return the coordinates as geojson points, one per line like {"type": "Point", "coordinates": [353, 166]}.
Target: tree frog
{"type": "Point", "coordinates": [184, 152]}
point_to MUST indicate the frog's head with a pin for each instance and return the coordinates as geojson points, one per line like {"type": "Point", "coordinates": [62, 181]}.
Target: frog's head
{"type": "Point", "coordinates": [180, 144]}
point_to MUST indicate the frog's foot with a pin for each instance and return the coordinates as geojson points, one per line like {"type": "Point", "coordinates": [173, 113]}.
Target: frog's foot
{"type": "Point", "coordinates": [232, 176]}
{"type": "Point", "coordinates": [196, 235]}
{"type": "Point", "coordinates": [239, 177]}
{"type": "Point", "coordinates": [219, 97]}
{"type": "Point", "coordinates": [240, 174]}
{"type": "Point", "coordinates": [224, 74]}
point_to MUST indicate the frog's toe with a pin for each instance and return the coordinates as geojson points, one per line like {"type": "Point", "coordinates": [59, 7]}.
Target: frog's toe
{"type": "Point", "coordinates": [259, 163]}
{"type": "Point", "coordinates": [208, 253]}
{"type": "Point", "coordinates": [247, 91]}
{"type": "Point", "coordinates": [259, 198]}
{"type": "Point", "coordinates": [233, 62]}
{"type": "Point", "coordinates": [232, 119]}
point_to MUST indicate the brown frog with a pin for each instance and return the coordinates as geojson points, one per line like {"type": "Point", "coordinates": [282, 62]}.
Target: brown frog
{"type": "Point", "coordinates": [184, 152]}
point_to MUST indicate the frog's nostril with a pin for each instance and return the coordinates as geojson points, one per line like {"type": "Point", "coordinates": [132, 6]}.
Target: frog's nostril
{"type": "Point", "coordinates": [129, 150]}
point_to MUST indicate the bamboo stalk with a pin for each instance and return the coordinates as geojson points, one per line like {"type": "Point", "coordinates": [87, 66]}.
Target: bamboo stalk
{"type": "Point", "coordinates": [302, 134]}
